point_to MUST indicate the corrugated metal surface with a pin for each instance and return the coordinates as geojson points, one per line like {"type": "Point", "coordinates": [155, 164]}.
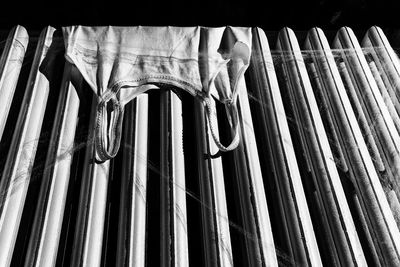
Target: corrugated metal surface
{"type": "Point", "coordinates": [314, 181]}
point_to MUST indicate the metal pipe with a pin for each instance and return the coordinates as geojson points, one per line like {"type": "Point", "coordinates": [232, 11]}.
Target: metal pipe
{"type": "Point", "coordinates": [88, 237]}
{"type": "Point", "coordinates": [217, 241]}
{"type": "Point", "coordinates": [43, 243]}
{"type": "Point", "coordinates": [379, 120]}
{"type": "Point", "coordinates": [386, 60]}
{"type": "Point", "coordinates": [248, 161]}
{"type": "Point", "coordinates": [174, 243]}
{"type": "Point", "coordinates": [344, 243]}
{"type": "Point", "coordinates": [18, 168]}
{"type": "Point", "coordinates": [10, 67]}
{"type": "Point", "coordinates": [365, 178]}
{"type": "Point", "coordinates": [132, 210]}
{"type": "Point", "coordinates": [286, 172]}
{"type": "Point", "coordinates": [385, 95]}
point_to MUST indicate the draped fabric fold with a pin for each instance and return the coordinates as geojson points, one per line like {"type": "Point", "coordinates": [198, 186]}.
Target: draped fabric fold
{"type": "Point", "coordinates": [119, 63]}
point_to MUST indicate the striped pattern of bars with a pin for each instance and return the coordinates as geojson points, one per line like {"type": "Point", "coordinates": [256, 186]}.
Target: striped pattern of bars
{"type": "Point", "coordinates": [315, 180]}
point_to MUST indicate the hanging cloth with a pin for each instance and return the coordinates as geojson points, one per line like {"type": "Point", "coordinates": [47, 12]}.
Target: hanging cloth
{"type": "Point", "coordinates": [119, 63]}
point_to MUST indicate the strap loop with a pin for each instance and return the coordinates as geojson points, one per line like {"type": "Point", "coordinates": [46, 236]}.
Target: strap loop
{"type": "Point", "coordinates": [231, 109]}
{"type": "Point", "coordinates": [107, 140]}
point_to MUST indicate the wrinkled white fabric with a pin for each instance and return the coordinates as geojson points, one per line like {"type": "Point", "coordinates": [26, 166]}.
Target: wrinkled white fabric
{"type": "Point", "coordinates": [120, 63]}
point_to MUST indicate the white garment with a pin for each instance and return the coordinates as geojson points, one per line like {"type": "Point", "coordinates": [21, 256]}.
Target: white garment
{"type": "Point", "coordinates": [120, 63]}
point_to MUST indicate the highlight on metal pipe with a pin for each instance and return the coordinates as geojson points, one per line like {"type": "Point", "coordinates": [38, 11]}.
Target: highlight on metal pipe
{"type": "Point", "coordinates": [173, 189]}
{"type": "Point", "coordinates": [18, 168]}
{"type": "Point", "coordinates": [46, 231]}
{"type": "Point", "coordinates": [341, 238]}
{"type": "Point", "coordinates": [132, 209]}
{"type": "Point", "coordinates": [10, 67]}
{"type": "Point", "coordinates": [276, 139]}
{"type": "Point", "coordinates": [215, 220]}
{"type": "Point", "coordinates": [259, 241]}
{"type": "Point", "coordinates": [385, 66]}
{"type": "Point", "coordinates": [89, 229]}
{"type": "Point", "coordinates": [378, 126]}
{"type": "Point", "coordinates": [363, 175]}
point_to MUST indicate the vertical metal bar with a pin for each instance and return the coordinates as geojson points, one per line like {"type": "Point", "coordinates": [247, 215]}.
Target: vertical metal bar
{"type": "Point", "coordinates": [385, 95]}
{"type": "Point", "coordinates": [16, 175]}
{"type": "Point", "coordinates": [165, 220]}
{"type": "Point", "coordinates": [10, 67]}
{"type": "Point", "coordinates": [325, 66]}
{"type": "Point", "coordinates": [132, 212]}
{"type": "Point", "coordinates": [341, 234]}
{"type": "Point", "coordinates": [174, 243]}
{"type": "Point", "coordinates": [88, 237]}
{"type": "Point", "coordinates": [387, 62]}
{"type": "Point", "coordinates": [260, 245]}
{"type": "Point", "coordinates": [178, 184]}
{"type": "Point", "coordinates": [358, 109]}
{"type": "Point", "coordinates": [209, 214]}
{"type": "Point", "coordinates": [379, 120]}
{"type": "Point", "coordinates": [221, 210]}
{"type": "Point", "coordinates": [217, 242]}
{"type": "Point", "coordinates": [364, 225]}
{"type": "Point", "coordinates": [43, 244]}
{"type": "Point", "coordinates": [285, 164]}
{"type": "Point", "coordinates": [365, 178]}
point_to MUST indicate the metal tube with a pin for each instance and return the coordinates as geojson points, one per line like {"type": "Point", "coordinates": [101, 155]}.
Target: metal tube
{"type": "Point", "coordinates": [387, 61]}
{"type": "Point", "coordinates": [217, 241]}
{"type": "Point", "coordinates": [88, 238]}
{"type": "Point", "coordinates": [174, 243]}
{"type": "Point", "coordinates": [17, 171]}
{"type": "Point", "coordinates": [377, 114]}
{"type": "Point", "coordinates": [365, 179]}
{"type": "Point", "coordinates": [10, 67]}
{"type": "Point", "coordinates": [362, 120]}
{"type": "Point", "coordinates": [43, 244]}
{"type": "Point", "coordinates": [385, 95]}
{"type": "Point", "coordinates": [132, 211]}
{"type": "Point", "coordinates": [178, 184]}
{"type": "Point", "coordinates": [287, 175]}
{"type": "Point", "coordinates": [345, 244]}
{"type": "Point", "coordinates": [247, 156]}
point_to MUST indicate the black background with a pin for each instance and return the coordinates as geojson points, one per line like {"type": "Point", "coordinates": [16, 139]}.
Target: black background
{"type": "Point", "coordinates": [269, 15]}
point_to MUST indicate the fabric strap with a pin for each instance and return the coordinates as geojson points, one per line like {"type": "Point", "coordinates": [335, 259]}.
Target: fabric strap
{"type": "Point", "coordinates": [108, 132]}
{"type": "Point", "coordinates": [108, 138]}
{"type": "Point", "coordinates": [231, 109]}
